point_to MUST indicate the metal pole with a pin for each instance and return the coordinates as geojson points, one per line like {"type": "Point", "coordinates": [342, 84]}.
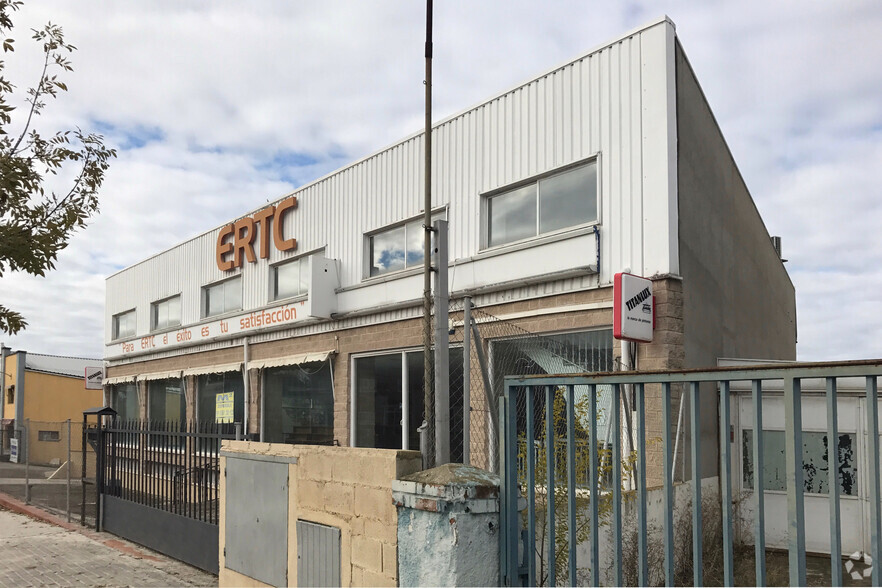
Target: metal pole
{"type": "Point", "coordinates": [405, 404]}
{"type": "Point", "coordinates": [83, 478]}
{"type": "Point", "coordinates": [247, 394]}
{"type": "Point", "coordinates": [428, 364]}
{"type": "Point", "coordinates": [442, 351]}
{"type": "Point", "coordinates": [466, 380]}
{"type": "Point", "coordinates": [69, 465]}
{"type": "Point", "coordinates": [27, 453]}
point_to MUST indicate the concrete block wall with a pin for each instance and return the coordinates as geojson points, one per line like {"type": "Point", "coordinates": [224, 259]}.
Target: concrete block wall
{"type": "Point", "coordinates": [347, 488]}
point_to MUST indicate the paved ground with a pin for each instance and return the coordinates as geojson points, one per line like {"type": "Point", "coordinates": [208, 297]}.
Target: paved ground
{"type": "Point", "coordinates": [37, 553]}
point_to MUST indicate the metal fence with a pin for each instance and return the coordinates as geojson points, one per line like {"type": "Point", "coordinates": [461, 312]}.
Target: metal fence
{"type": "Point", "coordinates": [496, 348]}
{"type": "Point", "coordinates": [168, 465]}
{"type": "Point", "coordinates": [46, 467]}
{"type": "Point", "coordinates": [564, 510]}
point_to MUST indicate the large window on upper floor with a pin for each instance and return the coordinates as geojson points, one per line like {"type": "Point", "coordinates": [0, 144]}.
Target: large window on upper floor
{"type": "Point", "coordinates": [222, 297]}
{"type": "Point", "coordinates": [397, 248]}
{"type": "Point", "coordinates": [165, 313]}
{"type": "Point", "coordinates": [290, 278]}
{"type": "Point", "coordinates": [556, 201]}
{"type": "Point", "coordinates": [124, 324]}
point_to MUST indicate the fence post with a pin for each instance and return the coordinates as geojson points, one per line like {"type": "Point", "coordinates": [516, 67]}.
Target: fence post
{"type": "Point", "coordinates": [442, 351]}
{"type": "Point", "coordinates": [69, 465]}
{"type": "Point", "coordinates": [83, 476]}
{"type": "Point", "coordinates": [466, 380]}
{"type": "Point", "coordinates": [27, 445]}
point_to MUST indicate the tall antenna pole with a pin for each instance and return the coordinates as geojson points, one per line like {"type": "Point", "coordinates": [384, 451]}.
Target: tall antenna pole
{"type": "Point", "coordinates": [428, 358]}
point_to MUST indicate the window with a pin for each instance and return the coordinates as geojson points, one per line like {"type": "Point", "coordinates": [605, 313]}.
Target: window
{"type": "Point", "coordinates": [299, 404]}
{"type": "Point", "coordinates": [290, 278]}
{"type": "Point", "coordinates": [166, 400]}
{"type": "Point", "coordinates": [210, 386]}
{"type": "Point", "coordinates": [222, 297]}
{"type": "Point", "coordinates": [165, 313]}
{"type": "Point", "coordinates": [398, 248]}
{"type": "Point", "coordinates": [48, 436]}
{"type": "Point", "coordinates": [379, 400]}
{"type": "Point", "coordinates": [815, 465]}
{"type": "Point", "coordinates": [124, 400]}
{"type": "Point", "coordinates": [124, 324]}
{"type": "Point", "coordinates": [564, 199]}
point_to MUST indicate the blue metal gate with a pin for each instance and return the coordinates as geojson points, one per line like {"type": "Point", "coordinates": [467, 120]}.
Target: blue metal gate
{"type": "Point", "coordinates": [549, 425]}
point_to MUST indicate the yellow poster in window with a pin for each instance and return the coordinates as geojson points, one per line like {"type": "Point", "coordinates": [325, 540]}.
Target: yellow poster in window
{"type": "Point", "coordinates": [223, 408]}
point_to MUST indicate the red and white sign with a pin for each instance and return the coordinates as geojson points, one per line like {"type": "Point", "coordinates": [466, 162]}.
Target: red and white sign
{"type": "Point", "coordinates": [633, 308]}
{"type": "Point", "coordinates": [94, 378]}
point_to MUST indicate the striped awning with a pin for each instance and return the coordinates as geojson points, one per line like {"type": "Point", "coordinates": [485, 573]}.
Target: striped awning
{"type": "Point", "coordinates": [290, 360]}
{"type": "Point", "coordinates": [160, 376]}
{"type": "Point", "coordinates": [118, 380]}
{"type": "Point", "coordinates": [214, 369]}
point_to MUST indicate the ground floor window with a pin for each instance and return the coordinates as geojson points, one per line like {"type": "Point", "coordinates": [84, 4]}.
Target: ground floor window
{"type": "Point", "coordinates": [165, 400]}
{"type": "Point", "coordinates": [386, 384]}
{"type": "Point", "coordinates": [299, 404]}
{"type": "Point", "coordinates": [217, 394]}
{"type": "Point", "coordinates": [124, 400]}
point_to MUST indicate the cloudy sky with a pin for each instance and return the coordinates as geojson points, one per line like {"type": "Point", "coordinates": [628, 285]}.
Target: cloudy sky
{"type": "Point", "coordinates": [217, 106]}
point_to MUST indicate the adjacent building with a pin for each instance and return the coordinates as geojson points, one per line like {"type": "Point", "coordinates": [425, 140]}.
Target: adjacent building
{"type": "Point", "coordinates": [307, 312]}
{"type": "Point", "coordinates": [40, 393]}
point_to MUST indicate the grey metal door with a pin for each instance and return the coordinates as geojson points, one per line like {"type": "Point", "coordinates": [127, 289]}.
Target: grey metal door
{"type": "Point", "coordinates": [318, 554]}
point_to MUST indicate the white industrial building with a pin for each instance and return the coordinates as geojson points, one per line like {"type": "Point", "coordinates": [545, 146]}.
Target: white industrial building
{"type": "Point", "coordinates": [308, 311]}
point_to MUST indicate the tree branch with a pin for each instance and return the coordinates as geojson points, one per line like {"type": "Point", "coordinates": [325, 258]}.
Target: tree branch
{"type": "Point", "coordinates": [37, 93]}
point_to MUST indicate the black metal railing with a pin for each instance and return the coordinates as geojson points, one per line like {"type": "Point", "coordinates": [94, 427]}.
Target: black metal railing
{"type": "Point", "coordinates": [169, 465]}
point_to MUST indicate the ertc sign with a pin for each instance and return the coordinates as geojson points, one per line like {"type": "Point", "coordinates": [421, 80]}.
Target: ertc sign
{"type": "Point", "coordinates": [633, 308]}
{"type": "Point", "coordinates": [235, 241]}
{"type": "Point", "coordinates": [94, 378]}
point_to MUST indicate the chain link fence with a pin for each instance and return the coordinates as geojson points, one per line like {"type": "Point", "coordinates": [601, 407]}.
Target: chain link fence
{"type": "Point", "coordinates": [49, 468]}
{"type": "Point", "coordinates": [494, 348]}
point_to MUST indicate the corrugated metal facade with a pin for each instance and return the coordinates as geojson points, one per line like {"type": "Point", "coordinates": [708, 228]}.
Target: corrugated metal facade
{"type": "Point", "coordinates": [615, 104]}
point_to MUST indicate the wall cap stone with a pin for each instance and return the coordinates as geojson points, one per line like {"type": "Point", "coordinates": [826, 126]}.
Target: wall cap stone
{"type": "Point", "coordinates": [452, 486]}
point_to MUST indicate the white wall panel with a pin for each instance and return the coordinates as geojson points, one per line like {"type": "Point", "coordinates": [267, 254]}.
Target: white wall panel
{"type": "Point", "coordinates": [613, 103]}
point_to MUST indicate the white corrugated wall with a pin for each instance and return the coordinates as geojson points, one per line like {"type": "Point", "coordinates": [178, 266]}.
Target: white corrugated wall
{"type": "Point", "coordinates": [615, 103]}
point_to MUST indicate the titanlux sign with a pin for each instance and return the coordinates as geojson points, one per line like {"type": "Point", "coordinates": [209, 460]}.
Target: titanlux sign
{"type": "Point", "coordinates": [235, 241]}
{"type": "Point", "coordinates": [633, 308]}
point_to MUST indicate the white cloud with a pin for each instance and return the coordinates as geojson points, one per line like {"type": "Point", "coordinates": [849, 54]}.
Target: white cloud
{"type": "Point", "coordinates": [224, 93]}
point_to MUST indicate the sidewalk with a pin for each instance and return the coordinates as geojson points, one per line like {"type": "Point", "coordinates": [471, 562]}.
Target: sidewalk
{"type": "Point", "coordinates": [52, 552]}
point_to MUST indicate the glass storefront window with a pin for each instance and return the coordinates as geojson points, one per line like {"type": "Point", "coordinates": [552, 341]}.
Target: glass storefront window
{"type": "Point", "coordinates": [209, 386]}
{"type": "Point", "coordinates": [166, 400]}
{"type": "Point", "coordinates": [299, 404]}
{"type": "Point", "coordinates": [379, 394]}
{"type": "Point", "coordinates": [124, 400]}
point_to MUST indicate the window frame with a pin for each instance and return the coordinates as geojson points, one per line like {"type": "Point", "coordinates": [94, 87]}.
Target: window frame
{"type": "Point", "coordinates": [115, 334]}
{"type": "Point", "coordinates": [367, 259]}
{"type": "Point", "coordinates": [535, 180]}
{"type": "Point", "coordinates": [273, 279]}
{"type": "Point", "coordinates": [203, 295]}
{"type": "Point", "coordinates": [153, 313]}
{"type": "Point", "coordinates": [402, 353]}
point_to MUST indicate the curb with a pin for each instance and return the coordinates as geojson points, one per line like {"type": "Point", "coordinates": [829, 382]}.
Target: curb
{"type": "Point", "coordinates": [17, 506]}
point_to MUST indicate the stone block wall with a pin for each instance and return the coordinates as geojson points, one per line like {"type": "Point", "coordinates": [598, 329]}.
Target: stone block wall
{"type": "Point", "coordinates": [347, 488]}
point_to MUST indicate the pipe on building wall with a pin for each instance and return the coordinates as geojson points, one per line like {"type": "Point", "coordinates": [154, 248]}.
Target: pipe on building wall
{"type": "Point", "coordinates": [4, 351]}
{"type": "Point", "coordinates": [247, 386]}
